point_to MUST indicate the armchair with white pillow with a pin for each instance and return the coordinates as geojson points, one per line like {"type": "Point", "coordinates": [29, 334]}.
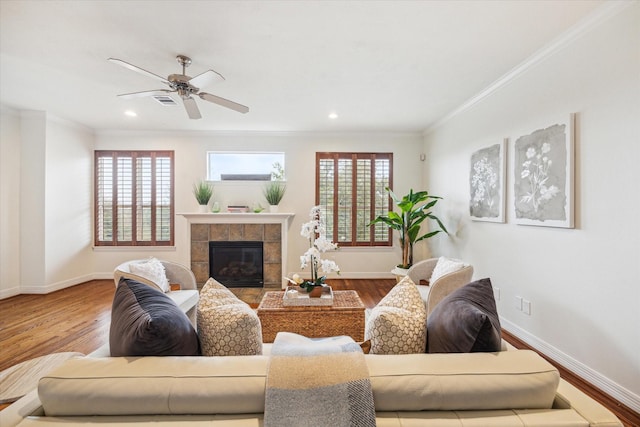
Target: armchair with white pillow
{"type": "Point", "coordinates": [445, 275]}
{"type": "Point", "coordinates": [160, 274]}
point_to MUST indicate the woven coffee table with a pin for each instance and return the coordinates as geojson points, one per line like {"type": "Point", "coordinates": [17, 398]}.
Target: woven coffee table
{"type": "Point", "coordinates": [344, 317]}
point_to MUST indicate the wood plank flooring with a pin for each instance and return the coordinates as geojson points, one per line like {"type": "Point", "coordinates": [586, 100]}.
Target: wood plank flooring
{"type": "Point", "coordinates": [77, 319]}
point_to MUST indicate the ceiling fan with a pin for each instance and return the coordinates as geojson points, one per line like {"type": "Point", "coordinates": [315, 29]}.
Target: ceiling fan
{"type": "Point", "coordinates": [184, 86]}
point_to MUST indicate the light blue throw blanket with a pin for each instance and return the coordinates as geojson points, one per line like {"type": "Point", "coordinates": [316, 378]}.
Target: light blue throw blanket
{"type": "Point", "coordinates": [317, 382]}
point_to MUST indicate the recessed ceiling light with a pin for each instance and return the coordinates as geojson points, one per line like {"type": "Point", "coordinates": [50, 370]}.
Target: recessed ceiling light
{"type": "Point", "coordinates": [130, 113]}
{"type": "Point", "coordinates": [333, 115]}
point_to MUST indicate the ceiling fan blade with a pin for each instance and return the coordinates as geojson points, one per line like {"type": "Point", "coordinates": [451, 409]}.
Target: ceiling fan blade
{"type": "Point", "coordinates": [224, 102]}
{"type": "Point", "coordinates": [192, 108]}
{"type": "Point", "coordinates": [205, 79]}
{"type": "Point", "coordinates": [145, 93]}
{"type": "Point", "coordinates": [138, 70]}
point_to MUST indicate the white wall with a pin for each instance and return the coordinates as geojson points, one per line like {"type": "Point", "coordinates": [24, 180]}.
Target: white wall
{"type": "Point", "coordinates": [299, 148]}
{"type": "Point", "coordinates": [31, 199]}
{"type": "Point", "coordinates": [583, 283]}
{"type": "Point", "coordinates": [9, 202]}
{"type": "Point", "coordinates": [68, 204]}
{"type": "Point", "coordinates": [45, 194]}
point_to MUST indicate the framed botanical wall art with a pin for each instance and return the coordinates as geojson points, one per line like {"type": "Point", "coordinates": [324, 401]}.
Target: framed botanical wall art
{"type": "Point", "coordinates": [487, 183]}
{"type": "Point", "coordinates": [543, 175]}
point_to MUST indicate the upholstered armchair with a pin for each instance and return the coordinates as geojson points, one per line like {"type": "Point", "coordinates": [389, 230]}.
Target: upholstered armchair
{"type": "Point", "coordinates": [443, 286]}
{"type": "Point", "coordinates": [186, 297]}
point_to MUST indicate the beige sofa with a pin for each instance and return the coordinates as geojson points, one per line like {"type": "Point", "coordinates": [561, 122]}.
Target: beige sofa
{"type": "Point", "coordinates": [509, 388]}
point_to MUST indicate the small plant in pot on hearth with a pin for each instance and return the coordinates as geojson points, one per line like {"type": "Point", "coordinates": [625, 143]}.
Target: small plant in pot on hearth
{"type": "Point", "coordinates": [315, 231]}
{"type": "Point", "coordinates": [203, 191]}
{"type": "Point", "coordinates": [414, 209]}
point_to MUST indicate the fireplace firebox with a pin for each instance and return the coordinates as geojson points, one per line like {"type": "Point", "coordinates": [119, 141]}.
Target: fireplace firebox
{"type": "Point", "coordinates": [237, 264]}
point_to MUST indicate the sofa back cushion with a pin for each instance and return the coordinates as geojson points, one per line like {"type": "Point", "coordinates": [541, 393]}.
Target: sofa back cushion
{"type": "Point", "coordinates": [146, 322]}
{"type": "Point", "coordinates": [463, 381]}
{"type": "Point", "coordinates": [236, 384]}
{"type": "Point", "coordinates": [156, 386]}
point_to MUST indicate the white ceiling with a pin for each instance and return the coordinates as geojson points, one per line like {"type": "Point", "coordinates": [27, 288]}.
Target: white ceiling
{"type": "Point", "coordinates": [380, 65]}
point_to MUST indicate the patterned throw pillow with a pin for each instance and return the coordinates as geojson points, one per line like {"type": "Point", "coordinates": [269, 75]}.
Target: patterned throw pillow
{"type": "Point", "coordinates": [152, 270]}
{"type": "Point", "coordinates": [445, 266]}
{"type": "Point", "coordinates": [397, 325]}
{"type": "Point", "coordinates": [227, 326]}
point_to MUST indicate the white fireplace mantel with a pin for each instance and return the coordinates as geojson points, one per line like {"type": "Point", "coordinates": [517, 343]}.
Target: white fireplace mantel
{"type": "Point", "coordinates": [248, 218]}
{"type": "Point", "coordinates": [239, 218]}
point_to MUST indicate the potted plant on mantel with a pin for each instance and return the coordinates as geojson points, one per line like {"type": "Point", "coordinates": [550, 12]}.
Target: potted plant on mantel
{"type": "Point", "coordinates": [203, 192]}
{"type": "Point", "coordinates": [274, 192]}
{"type": "Point", "coordinates": [414, 209]}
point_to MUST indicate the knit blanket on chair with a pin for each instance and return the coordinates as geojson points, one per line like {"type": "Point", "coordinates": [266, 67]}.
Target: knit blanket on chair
{"type": "Point", "coordinates": [316, 382]}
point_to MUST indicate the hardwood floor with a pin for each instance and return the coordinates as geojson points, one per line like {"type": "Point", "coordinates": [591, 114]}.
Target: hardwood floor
{"type": "Point", "coordinates": [77, 319]}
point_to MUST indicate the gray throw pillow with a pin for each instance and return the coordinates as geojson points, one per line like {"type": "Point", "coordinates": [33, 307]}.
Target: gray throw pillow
{"type": "Point", "coordinates": [465, 321]}
{"type": "Point", "coordinates": [146, 322]}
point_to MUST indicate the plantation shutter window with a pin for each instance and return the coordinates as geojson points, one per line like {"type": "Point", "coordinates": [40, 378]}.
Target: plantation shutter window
{"type": "Point", "coordinates": [350, 188]}
{"type": "Point", "coordinates": [134, 198]}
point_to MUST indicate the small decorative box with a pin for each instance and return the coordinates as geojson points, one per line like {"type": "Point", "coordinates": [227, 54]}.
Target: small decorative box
{"type": "Point", "coordinates": [295, 296]}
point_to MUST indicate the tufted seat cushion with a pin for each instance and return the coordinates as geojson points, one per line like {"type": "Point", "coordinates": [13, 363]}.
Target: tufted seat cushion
{"type": "Point", "coordinates": [227, 326]}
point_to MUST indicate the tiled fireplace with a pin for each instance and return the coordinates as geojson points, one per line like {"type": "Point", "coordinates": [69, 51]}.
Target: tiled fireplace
{"type": "Point", "coordinates": [269, 228]}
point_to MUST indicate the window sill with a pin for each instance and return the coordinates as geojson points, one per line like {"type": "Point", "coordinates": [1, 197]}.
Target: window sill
{"type": "Point", "coordinates": [134, 248]}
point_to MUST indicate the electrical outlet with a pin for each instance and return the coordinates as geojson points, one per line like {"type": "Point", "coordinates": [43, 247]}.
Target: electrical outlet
{"type": "Point", "coordinates": [526, 307]}
{"type": "Point", "coordinates": [496, 294]}
{"type": "Point", "coordinates": [519, 303]}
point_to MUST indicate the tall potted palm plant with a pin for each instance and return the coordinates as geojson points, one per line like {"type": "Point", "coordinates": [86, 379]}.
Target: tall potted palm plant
{"type": "Point", "coordinates": [414, 210]}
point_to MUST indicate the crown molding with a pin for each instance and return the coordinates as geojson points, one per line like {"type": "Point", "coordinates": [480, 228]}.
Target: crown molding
{"type": "Point", "coordinates": [601, 14]}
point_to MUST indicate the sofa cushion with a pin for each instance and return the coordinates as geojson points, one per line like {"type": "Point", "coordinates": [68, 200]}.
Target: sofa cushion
{"type": "Point", "coordinates": [463, 381]}
{"type": "Point", "coordinates": [465, 321]}
{"type": "Point", "coordinates": [227, 326]}
{"type": "Point", "coordinates": [146, 322]}
{"type": "Point", "coordinates": [396, 324]}
{"type": "Point", "coordinates": [236, 385]}
{"type": "Point", "coordinates": [156, 386]}
{"type": "Point", "coordinates": [445, 266]}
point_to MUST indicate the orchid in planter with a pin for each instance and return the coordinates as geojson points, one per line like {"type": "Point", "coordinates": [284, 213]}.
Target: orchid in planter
{"type": "Point", "coordinates": [315, 232]}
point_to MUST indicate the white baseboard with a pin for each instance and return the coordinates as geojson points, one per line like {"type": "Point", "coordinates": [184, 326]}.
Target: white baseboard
{"type": "Point", "coordinates": [603, 383]}
{"type": "Point", "coordinates": [42, 290]}
{"type": "Point", "coordinates": [8, 293]}
{"type": "Point", "coordinates": [351, 275]}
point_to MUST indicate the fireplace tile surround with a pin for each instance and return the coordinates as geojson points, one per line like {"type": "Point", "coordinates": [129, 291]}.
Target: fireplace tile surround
{"type": "Point", "coordinates": [269, 228]}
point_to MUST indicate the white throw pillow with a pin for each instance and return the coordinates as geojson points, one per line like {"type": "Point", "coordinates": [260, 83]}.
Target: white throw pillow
{"type": "Point", "coordinates": [445, 266]}
{"type": "Point", "coordinates": [152, 270]}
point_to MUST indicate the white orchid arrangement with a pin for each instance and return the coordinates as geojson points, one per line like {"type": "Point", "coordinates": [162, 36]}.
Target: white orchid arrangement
{"type": "Point", "coordinates": [315, 232]}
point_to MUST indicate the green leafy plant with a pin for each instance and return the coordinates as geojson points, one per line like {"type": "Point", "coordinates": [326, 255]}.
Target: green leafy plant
{"type": "Point", "coordinates": [414, 209]}
{"type": "Point", "coordinates": [274, 192]}
{"type": "Point", "coordinates": [203, 192]}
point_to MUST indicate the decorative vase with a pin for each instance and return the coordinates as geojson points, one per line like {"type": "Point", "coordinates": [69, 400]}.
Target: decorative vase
{"type": "Point", "coordinates": [316, 292]}
{"type": "Point", "coordinates": [273, 208]}
{"type": "Point", "coordinates": [203, 208]}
